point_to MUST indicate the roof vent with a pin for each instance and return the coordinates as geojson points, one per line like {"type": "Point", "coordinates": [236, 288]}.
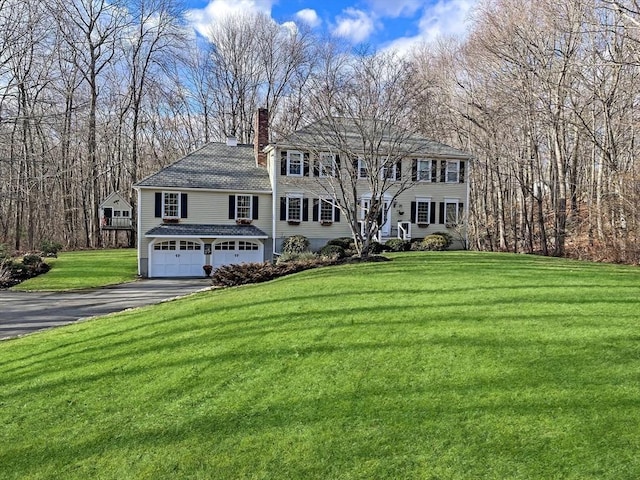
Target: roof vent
{"type": "Point", "coordinates": [232, 142]}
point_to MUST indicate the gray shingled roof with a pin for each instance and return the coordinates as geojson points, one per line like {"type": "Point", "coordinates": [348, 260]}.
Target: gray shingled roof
{"type": "Point", "coordinates": [215, 166]}
{"type": "Point", "coordinates": [343, 134]}
{"type": "Point", "coordinates": [181, 230]}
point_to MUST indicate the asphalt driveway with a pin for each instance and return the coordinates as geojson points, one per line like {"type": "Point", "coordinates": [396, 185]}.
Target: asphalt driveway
{"type": "Point", "coordinates": [27, 312]}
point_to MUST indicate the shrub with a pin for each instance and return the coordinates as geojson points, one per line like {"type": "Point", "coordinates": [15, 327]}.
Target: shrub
{"type": "Point", "coordinates": [433, 242]}
{"type": "Point", "coordinates": [50, 248]}
{"type": "Point", "coordinates": [31, 260]}
{"type": "Point", "coordinates": [332, 251]}
{"type": "Point", "coordinates": [245, 273]}
{"type": "Point", "coordinates": [293, 257]}
{"type": "Point", "coordinates": [375, 248]}
{"type": "Point", "coordinates": [345, 242]}
{"type": "Point", "coordinates": [447, 236]}
{"type": "Point", "coordinates": [295, 244]}
{"type": "Point", "coordinates": [397, 245]}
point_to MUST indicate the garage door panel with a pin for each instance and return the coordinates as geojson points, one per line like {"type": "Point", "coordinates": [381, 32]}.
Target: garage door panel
{"type": "Point", "coordinates": [227, 252]}
{"type": "Point", "coordinates": [177, 258]}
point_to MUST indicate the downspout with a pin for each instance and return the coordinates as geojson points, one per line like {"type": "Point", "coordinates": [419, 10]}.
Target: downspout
{"type": "Point", "coordinates": [139, 226]}
{"type": "Point", "coordinates": [466, 220]}
{"type": "Point", "coordinates": [274, 196]}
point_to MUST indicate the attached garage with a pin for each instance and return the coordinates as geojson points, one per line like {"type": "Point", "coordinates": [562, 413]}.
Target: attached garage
{"type": "Point", "coordinates": [177, 258]}
{"type": "Point", "coordinates": [182, 250]}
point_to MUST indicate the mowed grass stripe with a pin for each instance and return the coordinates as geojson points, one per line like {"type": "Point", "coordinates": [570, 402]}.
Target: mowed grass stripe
{"type": "Point", "coordinates": [434, 365]}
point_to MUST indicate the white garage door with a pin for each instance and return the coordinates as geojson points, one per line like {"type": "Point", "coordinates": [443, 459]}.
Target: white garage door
{"type": "Point", "coordinates": [177, 258]}
{"type": "Point", "coordinates": [237, 251]}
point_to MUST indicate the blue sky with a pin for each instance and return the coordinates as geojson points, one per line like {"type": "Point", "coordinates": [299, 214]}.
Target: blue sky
{"type": "Point", "coordinates": [382, 24]}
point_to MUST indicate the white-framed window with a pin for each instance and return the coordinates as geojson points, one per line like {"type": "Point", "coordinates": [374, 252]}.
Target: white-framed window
{"type": "Point", "coordinates": [452, 211]}
{"type": "Point", "coordinates": [117, 213]}
{"type": "Point", "coordinates": [423, 170]}
{"type": "Point", "coordinates": [247, 246]}
{"type": "Point", "coordinates": [363, 171]}
{"type": "Point", "coordinates": [125, 213]}
{"type": "Point", "coordinates": [243, 207]}
{"type": "Point", "coordinates": [294, 208]}
{"type": "Point", "coordinates": [327, 166]}
{"type": "Point", "coordinates": [225, 245]}
{"type": "Point", "coordinates": [327, 210]}
{"type": "Point", "coordinates": [165, 245]}
{"type": "Point", "coordinates": [452, 174]}
{"type": "Point", "coordinates": [389, 170]}
{"type": "Point", "coordinates": [189, 245]}
{"type": "Point", "coordinates": [295, 164]}
{"type": "Point", "coordinates": [170, 205]}
{"type": "Point", "coordinates": [423, 210]}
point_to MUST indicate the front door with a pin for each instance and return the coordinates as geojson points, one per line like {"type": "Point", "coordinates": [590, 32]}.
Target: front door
{"type": "Point", "coordinates": [384, 219]}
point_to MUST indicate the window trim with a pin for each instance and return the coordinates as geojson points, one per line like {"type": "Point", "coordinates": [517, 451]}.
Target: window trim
{"type": "Point", "coordinates": [178, 205]}
{"type": "Point", "coordinates": [426, 200]}
{"type": "Point", "coordinates": [389, 172]}
{"type": "Point", "coordinates": [429, 170]}
{"type": "Point", "coordinates": [291, 196]}
{"type": "Point", "coordinates": [448, 171]}
{"type": "Point", "coordinates": [363, 172]}
{"type": "Point", "coordinates": [322, 170]}
{"type": "Point", "coordinates": [291, 153]}
{"type": "Point", "coordinates": [237, 206]}
{"type": "Point", "coordinates": [451, 201]}
{"type": "Point", "coordinates": [332, 203]}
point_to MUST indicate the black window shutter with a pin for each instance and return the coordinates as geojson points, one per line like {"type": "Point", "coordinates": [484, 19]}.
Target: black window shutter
{"type": "Point", "coordinates": [443, 171]}
{"type": "Point", "coordinates": [316, 209]}
{"type": "Point", "coordinates": [283, 162]}
{"type": "Point", "coordinates": [283, 208]}
{"type": "Point", "coordinates": [434, 171]}
{"type": "Point", "coordinates": [460, 212]}
{"type": "Point", "coordinates": [413, 212]}
{"type": "Point", "coordinates": [255, 207]}
{"type": "Point", "coordinates": [442, 219]}
{"type": "Point", "coordinates": [432, 212]}
{"type": "Point", "coordinates": [183, 205]}
{"type": "Point", "coordinates": [305, 161]}
{"type": "Point", "coordinates": [336, 214]}
{"type": "Point", "coordinates": [399, 170]}
{"type": "Point", "coordinates": [158, 204]}
{"type": "Point", "coordinates": [461, 179]}
{"type": "Point", "coordinates": [337, 164]}
{"type": "Point", "coordinates": [414, 170]}
{"type": "Point", "coordinates": [232, 207]}
{"type": "Point", "coordinates": [316, 167]}
{"type": "Point", "coordinates": [305, 209]}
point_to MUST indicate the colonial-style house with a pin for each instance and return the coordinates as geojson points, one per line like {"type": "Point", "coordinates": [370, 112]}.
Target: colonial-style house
{"type": "Point", "coordinates": [231, 203]}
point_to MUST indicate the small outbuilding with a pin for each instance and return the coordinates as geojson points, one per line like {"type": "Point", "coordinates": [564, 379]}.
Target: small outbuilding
{"type": "Point", "coordinates": [116, 213]}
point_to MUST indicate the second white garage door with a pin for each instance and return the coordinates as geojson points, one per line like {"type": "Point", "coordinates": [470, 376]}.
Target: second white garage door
{"type": "Point", "coordinates": [237, 251]}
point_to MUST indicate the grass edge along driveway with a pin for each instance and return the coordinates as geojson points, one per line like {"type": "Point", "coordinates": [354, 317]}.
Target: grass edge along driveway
{"type": "Point", "coordinates": [447, 365]}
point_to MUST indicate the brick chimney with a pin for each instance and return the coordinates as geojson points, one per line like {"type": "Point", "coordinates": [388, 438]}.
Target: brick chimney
{"type": "Point", "coordinates": [261, 136]}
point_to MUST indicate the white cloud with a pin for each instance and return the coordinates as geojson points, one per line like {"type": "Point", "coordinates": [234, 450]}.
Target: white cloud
{"type": "Point", "coordinates": [445, 18]}
{"type": "Point", "coordinates": [203, 18]}
{"type": "Point", "coordinates": [309, 16]}
{"type": "Point", "coordinates": [354, 25]}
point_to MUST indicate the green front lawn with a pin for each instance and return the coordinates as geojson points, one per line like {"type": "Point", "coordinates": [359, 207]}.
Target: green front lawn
{"type": "Point", "coordinates": [452, 365]}
{"type": "Point", "coordinates": [85, 269]}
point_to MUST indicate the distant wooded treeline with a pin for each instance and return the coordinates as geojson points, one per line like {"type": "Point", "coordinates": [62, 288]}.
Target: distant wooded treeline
{"type": "Point", "coordinates": [95, 95]}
